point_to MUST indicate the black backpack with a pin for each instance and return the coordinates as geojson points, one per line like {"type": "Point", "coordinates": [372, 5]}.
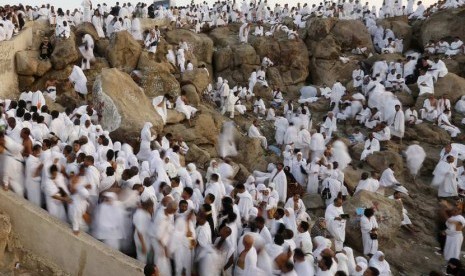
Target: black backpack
{"type": "Point", "coordinates": [326, 193]}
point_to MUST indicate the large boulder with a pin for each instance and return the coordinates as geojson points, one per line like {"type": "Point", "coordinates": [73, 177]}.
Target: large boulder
{"type": "Point", "coordinates": [123, 51]}
{"type": "Point", "coordinates": [198, 156]}
{"type": "Point", "coordinates": [222, 59]}
{"type": "Point", "coordinates": [191, 94]}
{"type": "Point", "coordinates": [199, 44]}
{"type": "Point", "coordinates": [125, 106]}
{"type": "Point", "coordinates": [443, 24]}
{"type": "Point", "coordinates": [351, 34]}
{"type": "Point", "coordinates": [400, 27]}
{"type": "Point", "coordinates": [64, 53]}
{"type": "Point", "coordinates": [329, 71]}
{"type": "Point", "coordinates": [5, 231]}
{"type": "Point", "coordinates": [380, 160]}
{"type": "Point", "coordinates": [389, 217]}
{"type": "Point", "coordinates": [198, 77]}
{"type": "Point", "coordinates": [86, 28]}
{"type": "Point", "coordinates": [159, 82]}
{"type": "Point", "coordinates": [29, 64]}
{"type": "Point", "coordinates": [245, 54]}
{"type": "Point", "coordinates": [427, 133]}
{"type": "Point", "coordinates": [452, 85]}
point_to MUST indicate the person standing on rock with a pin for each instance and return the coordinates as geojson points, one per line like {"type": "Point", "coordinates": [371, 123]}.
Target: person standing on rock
{"type": "Point", "coordinates": [87, 51]}
{"type": "Point", "coordinates": [79, 80]}
{"type": "Point", "coordinates": [445, 178]}
{"type": "Point", "coordinates": [336, 224]}
{"type": "Point", "coordinates": [244, 33]}
{"type": "Point", "coordinates": [181, 59]}
{"type": "Point", "coordinates": [87, 7]}
{"type": "Point", "coordinates": [151, 42]}
{"type": "Point", "coordinates": [454, 235]}
{"type": "Point", "coordinates": [97, 21]}
{"type": "Point", "coordinates": [398, 125]}
{"type": "Point", "coordinates": [369, 227]}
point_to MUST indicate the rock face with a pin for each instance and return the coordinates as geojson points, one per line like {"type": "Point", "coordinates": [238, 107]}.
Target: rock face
{"type": "Point", "coordinates": [29, 64]}
{"type": "Point", "coordinates": [64, 52]}
{"type": "Point", "coordinates": [121, 97]}
{"type": "Point", "coordinates": [86, 28]}
{"type": "Point", "coordinates": [388, 215]}
{"type": "Point", "coordinates": [5, 230]}
{"type": "Point", "coordinates": [123, 51]}
{"type": "Point", "coordinates": [200, 45]}
{"type": "Point", "coordinates": [235, 62]}
{"type": "Point", "coordinates": [399, 25]}
{"type": "Point", "coordinates": [198, 77]}
{"type": "Point", "coordinates": [326, 40]}
{"type": "Point", "coordinates": [443, 24]}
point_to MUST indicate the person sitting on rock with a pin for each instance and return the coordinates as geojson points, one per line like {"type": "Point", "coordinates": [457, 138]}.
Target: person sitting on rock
{"type": "Point", "coordinates": [259, 106]}
{"type": "Point", "coordinates": [430, 47]}
{"type": "Point", "coordinates": [63, 31]}
{"type": "Point", "coordinates": [371, 146]}
{"type": "Point", "coordinates": [429, 111]}
{"type": "Point", "coordinates": [45, 49]}
{"type": "Point", "coordinates": [455, 48]}
{"type": "Point", "coordinates": [266, 62]}
{"type": "Point", "coordinates": [411, 116]}
{"type": "Point", "coordinates": [382, 132]}
{"type": "Point", "coordinates": [151, 42]}
{"type": "Point", "coordinates": [254, 132]}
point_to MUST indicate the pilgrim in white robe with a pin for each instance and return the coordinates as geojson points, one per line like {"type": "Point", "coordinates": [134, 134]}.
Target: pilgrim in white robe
{"type": "Point", "coordinates": [454, 238]}
{"type": "Point", "coordinates": [398, 126]}
{"type": "Point", "coordinates": [370, 246]}
{"type": "Point", "coordinates": [336, 225]}
{"type": "Point", "coordinates": [425, 84]}
{"type": "Point", "coordinates": [415, 156]}
{"type": "Point", "coordinates": [371, 146]}
{"type": "Point", "coordinates": [279, 181]}
{"type": "Point", "coordinates": [79, 80]}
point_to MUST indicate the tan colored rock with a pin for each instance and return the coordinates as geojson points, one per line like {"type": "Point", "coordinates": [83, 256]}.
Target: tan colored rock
{"type": "Point", "coordinates": [174, 117]}
{"type": "Point", "coordinates": [389, 217]}
{"type": "Point", "coordinates": [86, 28]}
{"type": "Point", "coordinates": [101, 47]}
{"type": "Point", "coordinates": [427, 133]}
{"type": "Point", "coordinates": [245, 54]}
{"type": "Point", "coordinates": [123, 51]}
{"type": "Point", "coordinates": [191, 94]}
{"type": "Point", "coordinates": [29, 64]}
{"type": "Point", "coordinates": [452, 85]}
{"type": "Point", "coordinates": [64, 53]}
{"type": "Point", "coordinates": [121, 96]}
{"type": "Point", "coordinates": [199, 44]}
{"type": "Point", "coordinates": [400, 27]}
{"type": "Point", "coordinates": [198, 156]}
{"type": "Point", "coordinates": [328, 71]}
{"type": "Point", "coordinates": [380, 161]}
{"type": "Point", "coordinates": [26, 62]}
{"type": "Point", "coordinates": [5, 231]}
{"type": "Point", "coordinates": [313, 202]}
{"type": "Point", "coordinates": [197, 77]}
{"type": "Point", "coordinates": [352, 33]}
{"type": "Point", "coordinates": [264, 92]}
{"type": "Point", "coordinates": [222, 59]}
{"type": "Point", "coordinates": [159, 82]}
{"type": "Point", "coordinates": [205, 125]}
{"type": "Point", "coordinates": [442, 24]}
{"type": "Point", "coordinates": [319, 28]}
{"type": "Point", "coordinates": [25, 83]}
{"type": "Point", "coordinates": [324, 49]}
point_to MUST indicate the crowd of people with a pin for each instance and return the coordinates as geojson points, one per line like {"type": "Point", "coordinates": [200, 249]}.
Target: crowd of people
{"type": "Point", "coordinates": [153, 206]}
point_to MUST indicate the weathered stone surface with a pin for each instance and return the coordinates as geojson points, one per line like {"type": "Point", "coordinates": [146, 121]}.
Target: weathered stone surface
{"type": "Point", "coordinates": [86, 28]}
{"type": "Point", "coordinates": [313, 201]}
{"type": "Point", "coordinates": [25, 82]}
{"type": "Point", "coordinates": [380, 160]}
{"type": "Point", "coordinates": [199, 44]}
{"type": "Point", "coordinates": [197, 77]}
{"type": "Point", "coordinates": [174, 117]}
{"type": "Point", "coordinates": [191, 94]}
{"type": "Point", "coordinates": [159, 82]}
{"type": "Point", "coordinates": [123, 51]}
{"type": "Point", "coordinates": [121, 96]}
{"type": "Point", "coordinates": [389, 217]}
{"type": "Point", "coordinates": [198, 156]}
{"type": "Point", "coordinates": [443, 24]}
{"type": "Point", "coordinates": [64, 52]}
{"type": "Point", "coordinates": [428, 133]}
{"type": "Point", "coordinates": [328, 71]}
{"type": "Point", "coordinates": [26, 62]}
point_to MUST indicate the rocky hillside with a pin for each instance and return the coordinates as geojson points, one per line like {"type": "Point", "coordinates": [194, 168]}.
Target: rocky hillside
{"type": "Point", "coordinates": [313, 59]}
